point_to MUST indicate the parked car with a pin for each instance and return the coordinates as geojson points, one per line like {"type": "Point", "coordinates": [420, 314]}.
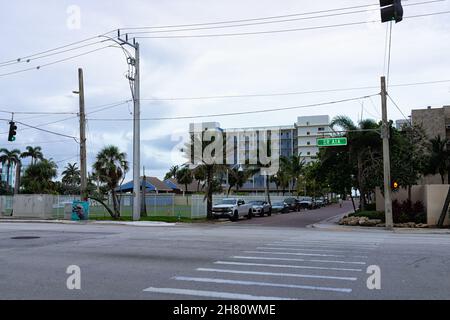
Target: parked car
{"type": "Point", "coordinates": [233, 209]}
{"type": "Point", "coordinates": [281, 207]}
{"type": "Point", "coordinates": [294, 204]}
{"type": "Point", "coordinates": [320, 202]}
{"type": "Point", "coordinates": [261, 208]}
{"type": "Point", "coordinates": [306, 203]}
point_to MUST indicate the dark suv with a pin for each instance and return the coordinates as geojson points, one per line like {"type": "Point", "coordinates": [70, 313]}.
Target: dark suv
{"type": "Point", "coordinates": [294, 204]}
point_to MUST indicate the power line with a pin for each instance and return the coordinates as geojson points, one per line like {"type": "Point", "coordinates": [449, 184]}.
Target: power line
{"type": "Point", "coordinates": [52, 63]}
{"type": "Point", "coordinates": [243, 112]}
{"type": "Point", "coordinates": [47, 131]}
{"type": "Point", "coordinates": [282, 30]}
{"type": "Point", "coordinates": [270, 17]}
{"type": "Point", "coordinates": [398, 108]}
{"type": "Point", "coordinates": [36, 112]}
{"type": "Point", "coordinates": [272, 22]}
{"type": "Point", "coordinates": [54, 49]}
{"type": "Point", "coordinates": [19, 61]}
{"type": "Point", "coordinates": [276, 94]}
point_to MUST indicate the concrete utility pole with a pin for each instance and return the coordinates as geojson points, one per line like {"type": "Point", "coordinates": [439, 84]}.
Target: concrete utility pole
{"type": "Point", "coordinates": [137, 140]}
{"type": "Point", "coordinates": [83, 167]}
{"type": "Point", "coordinates": [386, 157]}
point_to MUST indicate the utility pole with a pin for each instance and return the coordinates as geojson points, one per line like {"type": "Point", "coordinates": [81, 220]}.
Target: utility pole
{"type": "Point", "coordinates": [137, 140]}
{"type": "Point", "coordinates": [83, 168]}
{"type": "Point", "coordinates": [386, 157]}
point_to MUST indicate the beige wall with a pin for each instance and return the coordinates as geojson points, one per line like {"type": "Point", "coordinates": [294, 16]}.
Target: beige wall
{"type": "Point", "coordinates": [417, 194]}
{"type": "Point", "coordinates": [433, 198]}
{"type": "Point", "coordinates": [435, 195]}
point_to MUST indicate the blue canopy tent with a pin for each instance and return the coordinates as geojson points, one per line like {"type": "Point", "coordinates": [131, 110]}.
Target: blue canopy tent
{"type": "Point", "coordinates": [128, 187]}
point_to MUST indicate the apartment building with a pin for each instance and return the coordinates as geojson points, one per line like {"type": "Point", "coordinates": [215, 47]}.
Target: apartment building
{"type": "Point", "coordinates": [299, 138]}
{"type": "Point", "coordinates": [434, 121]}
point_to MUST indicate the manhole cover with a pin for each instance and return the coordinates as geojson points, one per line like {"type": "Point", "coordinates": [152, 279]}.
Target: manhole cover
{"type": "Point", "coordinates": [25, 238]}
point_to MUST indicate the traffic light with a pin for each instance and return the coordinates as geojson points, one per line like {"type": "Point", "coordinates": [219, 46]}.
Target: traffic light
{"type": "Point", "coordinates": [395, 185]}
{"type": "Point", "coordinates": [391, 10]}
{"type": "Point", "coordinates": [12, 131]}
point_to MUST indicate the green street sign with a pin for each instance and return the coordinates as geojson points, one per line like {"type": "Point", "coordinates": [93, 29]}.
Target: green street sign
{"type": "Point", "coordinates": [331, 142]}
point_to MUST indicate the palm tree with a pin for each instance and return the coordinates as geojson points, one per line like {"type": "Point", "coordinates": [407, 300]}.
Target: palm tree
{"type": "Point", "coordinates": [38, 177]}
{"type": "Point", "coordinates": [71, 176]}
{"type": "Point", "coordinates": [9, 158]}
{"type": "Point", "coordinates": [35, 153]}
{"type": "Point", "coordinates": [439, 158]}
{"type": "Point", "coordinates": [111, 166]}
{"type": "Point", "coordinates": [209, 170]}
{"type": "Point", "coordinates": [293, 166]}
{"type": "Point", "coordinates": [172, 173]}
{"type": "Point", "coordinates": [362, 139]}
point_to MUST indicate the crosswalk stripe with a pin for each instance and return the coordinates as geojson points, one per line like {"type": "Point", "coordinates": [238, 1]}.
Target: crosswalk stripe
{"type": "Point", "coordinates": [306, 245]}
{"type": "Point", "coordinates": [212, 294]}
{"type": "Point", "coordinates": [302, 260]}
{"type": "Point", "coordinates": [296, 275]}
{"type": "Point", "coordinates": [262, 284]}
{"type": "Point", "coordinates": [302, 254]}
{"type": "Point", "coordinates": [285, 266]}
{"type": "Point", "coordinates": [297, 249]}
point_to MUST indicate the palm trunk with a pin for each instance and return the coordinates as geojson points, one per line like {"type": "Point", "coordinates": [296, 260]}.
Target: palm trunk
{"type": "Point", "coordinates": [17, 184]}
{"type": "Point", "coordinates": [441, 220]}
{"type": "Point", "coordinates": [115, 202]}
{"type": "Point", "coordinates": [209, 192]}
{"type": "Point", "coordinates": [362, 190]}
{"type": "Point", "coordinates": [268, 189]}
{"type": "Point", "coordinates": [8, 168]}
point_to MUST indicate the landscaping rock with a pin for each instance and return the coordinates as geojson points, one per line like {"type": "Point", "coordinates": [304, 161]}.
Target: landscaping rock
{"type": "Point", "coordinates": [381, 225]}
{"type": "Point", "coordinates": [371, 223]}
{"type": "Point", "coordinates": [421, 225]}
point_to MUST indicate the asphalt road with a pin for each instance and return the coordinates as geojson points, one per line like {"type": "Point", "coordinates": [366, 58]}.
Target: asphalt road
{"type": "Point", "coordinates": [300, 219]}
{"type": "Point", "coordinates": [243, 260]}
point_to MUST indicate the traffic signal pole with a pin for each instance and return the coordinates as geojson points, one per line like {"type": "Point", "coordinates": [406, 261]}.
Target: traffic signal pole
{"type": "Point", "coordinates": [386, 157]}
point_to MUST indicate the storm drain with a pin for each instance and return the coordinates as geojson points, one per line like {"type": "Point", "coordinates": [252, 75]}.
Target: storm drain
{"type": "Point", "coordinates": [25, 238]}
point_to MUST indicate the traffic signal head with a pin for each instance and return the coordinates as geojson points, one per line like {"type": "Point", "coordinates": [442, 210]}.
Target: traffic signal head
{"type": "Point", "coordinates": [391, 10]}
{"type": "Point", "coordinates": [395, 185]}
{"type": "Point", "coordinates": [12, 131]}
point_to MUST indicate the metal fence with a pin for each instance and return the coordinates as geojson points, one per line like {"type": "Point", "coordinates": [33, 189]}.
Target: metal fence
{"type": "Point", "coordinates": [157, 205]}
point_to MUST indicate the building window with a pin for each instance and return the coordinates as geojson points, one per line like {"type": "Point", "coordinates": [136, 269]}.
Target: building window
{"type": "Point", "coordinates": [308, 143]}
{"type": "Point", "coordinates": [309, 153]}
{"type": "Point", "coordinates": [321, 129]}
{"type": "Point", "coordinates": [308, 133]}
{"type": "Point", "coordinates": [307, 123]}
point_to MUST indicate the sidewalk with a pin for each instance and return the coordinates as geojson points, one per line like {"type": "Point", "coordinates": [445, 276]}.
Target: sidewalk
{"type": "Point", "coordinates": [331, 224]}
{"type": "Point", "coordinates": [125, 223]}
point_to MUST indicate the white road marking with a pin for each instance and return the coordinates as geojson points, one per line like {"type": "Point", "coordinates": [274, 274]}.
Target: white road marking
{"type": "Point", "coordinates": [296, 275]}
{"type": "Point", "coordinates": [333, 247]}
{"type": "Point", "coordinates": [303, 260]}
{"type": "Point", "coordinates": [327, 244]}
{"type": "Point", "coordinates": [262, 284]}
{"type": "Point", "coordinates": [284, 266]}
{"type": "Point", "coordinates": [302, 254]}
{"type": "Point", "coordinates": [297, 249]}
{"type": "Point", "coordinates": [212, 294]}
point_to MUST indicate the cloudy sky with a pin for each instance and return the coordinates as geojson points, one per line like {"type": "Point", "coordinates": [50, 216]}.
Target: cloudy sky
{"type": "Point", "coordinates": [185, 67]}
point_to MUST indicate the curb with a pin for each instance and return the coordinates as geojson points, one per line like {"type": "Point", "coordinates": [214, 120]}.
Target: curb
{"type": "Point", "coordinates": [326, 225]}
{"type": "Point", "coordinates": [84, 223]}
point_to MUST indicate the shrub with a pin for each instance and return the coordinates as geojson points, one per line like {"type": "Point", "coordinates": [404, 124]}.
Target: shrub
{"type": "Point", "coordinates": [371, 207]}
{"type": "Point", "coordinates": [408, 212]}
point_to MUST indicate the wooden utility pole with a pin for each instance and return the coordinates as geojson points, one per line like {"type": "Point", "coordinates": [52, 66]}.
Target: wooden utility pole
{"type": "Point", "coordinates": [83, 168]}
{"type": "Point", "coordinates": [386, 157]}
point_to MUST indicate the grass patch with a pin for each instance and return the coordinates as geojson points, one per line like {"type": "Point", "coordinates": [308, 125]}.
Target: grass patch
{"type": "Point", "coordinates": [157, 219]}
